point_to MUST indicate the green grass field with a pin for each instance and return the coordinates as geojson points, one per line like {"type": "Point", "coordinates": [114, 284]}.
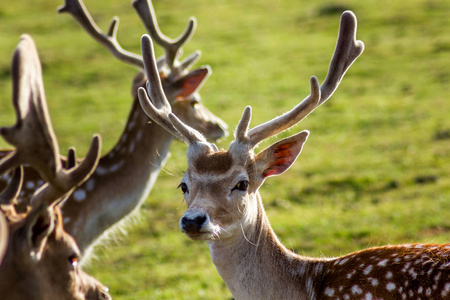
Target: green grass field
{"type": "Point", "coordinates": [375, 170]}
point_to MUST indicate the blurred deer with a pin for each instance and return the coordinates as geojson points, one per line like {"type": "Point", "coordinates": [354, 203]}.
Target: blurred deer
{"type": "Point", "coordinates": [38, 258]}
{"type": "Point", "coordinates": [125, 175]}
{"type": "Point", "coordinates": [224, 207]}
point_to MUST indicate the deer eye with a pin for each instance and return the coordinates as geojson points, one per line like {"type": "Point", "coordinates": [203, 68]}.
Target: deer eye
{"type": "Point", "coordinates": [194, 103]}
{"type": "Point", "coordinates": [184, 188]}
{"type": "Point", "coordinates": [241, 186]}
{"type": "Point", "coordinates": [73, 260]}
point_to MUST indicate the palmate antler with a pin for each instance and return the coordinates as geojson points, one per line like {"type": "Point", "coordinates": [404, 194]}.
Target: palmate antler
{"type": "Point", "coordinates": [33, 135]}
{"type": "Point", "coordinates": [157, 107]}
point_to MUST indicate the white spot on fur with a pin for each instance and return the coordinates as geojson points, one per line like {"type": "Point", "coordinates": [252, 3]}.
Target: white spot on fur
{"type": "Point", "coordinates": [100, 170]}
{"type": "Point", "coordinates": [413, 273]}
{"type": "Point", "coordinates": [383, 263]}
{"type": "Point", "coordinates": [29, 185]}
{"type": "Point", "coordinates": [139, 136]}
{"type": "Point", "coordinates": [349, 275]}
{"type": "Point", "coordinates": [373, 281]}
{"type": "Point", "coordinates": [446, 289]}
{"type": "Point", "coordinates": [90, 185]}
{"type": "Point", "coordinates": [79, 195]}
{"type": "Point", "coordinates": [131, 148]}
{"type": "Point", "coordinates": [329, 292]}
{"type": "Point", "coordinates": [66, 220]}
{"type": "Point", "coordinates": [389, 275]}
{"type": "Point", "coordinates": [356, 290]}
{"type": "Point", "coordinates": [368, 296]}
{"type": "Point", "coordinates": [368, 269]}
{"type": "Point", "coordinates": [406, 267]}
{"type": "Point", "coordinates": [116, 166]}
{"type": "Point", "coordinates": [390, 286]}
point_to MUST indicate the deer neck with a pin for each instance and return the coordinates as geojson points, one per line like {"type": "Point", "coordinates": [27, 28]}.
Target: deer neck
{"type": "Point", "coordinates": [121, 182]}
{"type": "Point", "coordinates": [255, 265]}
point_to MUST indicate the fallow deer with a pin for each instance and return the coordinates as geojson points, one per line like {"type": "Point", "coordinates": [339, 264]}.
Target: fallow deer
{"type": "Point", "coordinates": [125, 175]}
{"type": "Point", "coordinates": [224, 207]}
{"type": "Point", "coordinates": [38, 258]}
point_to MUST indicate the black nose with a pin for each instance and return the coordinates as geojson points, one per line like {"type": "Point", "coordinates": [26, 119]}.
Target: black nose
{"type": "Point", "coordinates": [194, 224]}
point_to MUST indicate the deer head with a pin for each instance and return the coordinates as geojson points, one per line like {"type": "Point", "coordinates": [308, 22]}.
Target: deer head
{"type": "Point", "coordinates": [40, 260]}
{"type": "Point", "coordinates": [180, 84]}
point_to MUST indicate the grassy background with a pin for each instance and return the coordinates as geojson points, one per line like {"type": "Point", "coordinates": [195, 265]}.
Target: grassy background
{"type": "Point", "coordinates": [375, 170]}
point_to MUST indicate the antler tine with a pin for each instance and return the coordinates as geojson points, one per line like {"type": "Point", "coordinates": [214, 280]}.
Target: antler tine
{"type": "Point", "coordinates": [11, 192]}
{"type": "Point", "coordinates": [76, 175]}
{"type": "Point", "coordinates": [146, 12]}
{"type": "Point", "coordinates": [346, 52]}
{"type": "Point", "coordinates": [190, 60]}
{"type": "Point", "coordinates": [190, 135]}
{"type": "Point", "coordinates": [4, 236]}
{"type": "Point", "coordinates": [109, 40]}
{"type": "Point", "coordinates": [283, 122]}
{"type": "Point", "coordinates": [348, 49]}
{"type": "Point", "coordinates": [66, 181]}
{"type": "Point", "coordinates": [242, 128]}
{"type": "Point", "coordinates": [71, 158]}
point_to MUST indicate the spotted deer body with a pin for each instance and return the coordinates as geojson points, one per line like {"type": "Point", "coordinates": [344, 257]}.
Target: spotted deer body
{"type": "Point", "coordinates": [224, 207]}
{"type": "Point", "coordinates": [125, 175]}
{"type": "Point", "coordinates": [127, 195]}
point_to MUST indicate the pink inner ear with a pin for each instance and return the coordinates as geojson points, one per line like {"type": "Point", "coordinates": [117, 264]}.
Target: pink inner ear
{"type": "Point", "coordinates": [192, 82]}
{"type": "Point", "coordinates": [283, 159]}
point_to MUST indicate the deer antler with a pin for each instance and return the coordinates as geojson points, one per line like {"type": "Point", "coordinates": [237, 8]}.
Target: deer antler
{"type": "Point", "coordinates": [33, 135]}
{"type": "Point", "coordinates": [346, 52]}
{"type": "Point", "coordinates": [158, 108]}
{"type": "Point", "coordinates": [172, 47]}
{"type": "Point", "coordinates": [108, 40]}
{"type": "Point", "coordinates": [4, 233]}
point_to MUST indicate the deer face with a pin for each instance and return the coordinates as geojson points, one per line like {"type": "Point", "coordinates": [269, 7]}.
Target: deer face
{"type": "Point", "coordinates": [41, 261]}
{"type": "Point", "coordinates": [221, 188]}
{"type": "Point", "coordinates": [217, 196]}
{"type": "Point", "coordinates": [191, 111]}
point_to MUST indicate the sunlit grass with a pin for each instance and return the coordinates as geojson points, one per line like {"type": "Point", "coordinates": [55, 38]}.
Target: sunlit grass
{"type": "Point", "coordinates": [375, 170]}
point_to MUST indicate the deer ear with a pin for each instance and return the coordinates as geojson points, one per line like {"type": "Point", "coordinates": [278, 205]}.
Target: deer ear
{"type": "Point", "coordinates": [39, 224]}
{"type": "Point", "coordinates": [192, 82]}
{"type": "Point", "coordinates": [277, 158]}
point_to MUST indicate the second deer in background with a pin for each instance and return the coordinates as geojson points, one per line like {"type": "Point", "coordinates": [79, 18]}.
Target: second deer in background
{"type": "Point", "coordinates": [125, 175]}
{"type": "Point", "coordinates": [38, 258]}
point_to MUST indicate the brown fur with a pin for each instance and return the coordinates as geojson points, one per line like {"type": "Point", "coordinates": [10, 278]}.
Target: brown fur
{"type": "Point", "coordinates": [218, 162]}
